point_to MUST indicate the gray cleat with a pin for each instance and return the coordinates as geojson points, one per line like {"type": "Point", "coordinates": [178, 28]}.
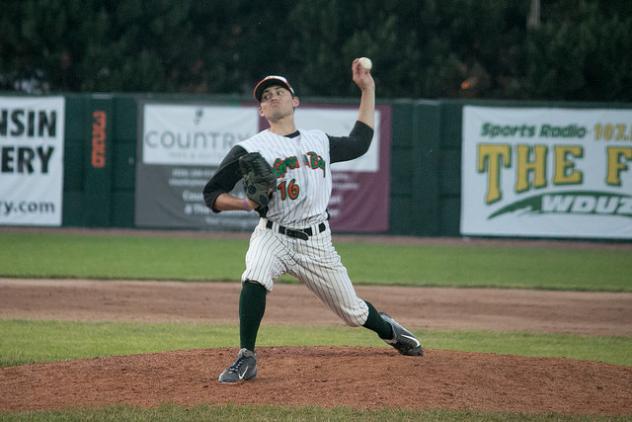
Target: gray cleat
{"type": "Point", "coordinates": [403, 340]}
{"type": "Point", "coordinates": [244, 368]}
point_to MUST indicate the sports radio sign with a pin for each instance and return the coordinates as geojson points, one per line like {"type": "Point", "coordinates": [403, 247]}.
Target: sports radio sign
{"type": "Point", "coordinates": [31, 160]}
{"type": "Point", "coordinates": [547, 172]}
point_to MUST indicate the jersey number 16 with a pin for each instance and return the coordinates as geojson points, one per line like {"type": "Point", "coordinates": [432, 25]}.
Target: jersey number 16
{"type": "Point", "coordinates": [289, 190]}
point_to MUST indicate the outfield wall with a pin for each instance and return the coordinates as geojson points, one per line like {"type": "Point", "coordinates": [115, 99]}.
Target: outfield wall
{"type": "Point", "coordinates": [425, 162]}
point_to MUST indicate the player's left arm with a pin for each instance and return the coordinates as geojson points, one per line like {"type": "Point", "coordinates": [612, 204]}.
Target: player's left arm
{"type": "Point", "coordinates": [215, 192]}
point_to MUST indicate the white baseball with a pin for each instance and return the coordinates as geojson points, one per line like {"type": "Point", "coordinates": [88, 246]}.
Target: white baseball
{"type": "Point", "coordinates": [366, 63]}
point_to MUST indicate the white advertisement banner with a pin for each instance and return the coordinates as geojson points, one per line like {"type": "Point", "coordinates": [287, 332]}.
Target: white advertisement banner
{"type": "Point", "coordinates": [547, 172]}
{"type": "Point", "coordinates": [194, 135]}
{"type": "Point", "coordinates": [339, 122]}
{"type": "Point", "coordinates": [31, 160]}
{"type": "Point", "coordinates": [182, 145]}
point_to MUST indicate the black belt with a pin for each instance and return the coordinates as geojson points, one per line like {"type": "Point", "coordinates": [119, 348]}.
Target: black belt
{"type": "Point", "coordinates": [297, 233]}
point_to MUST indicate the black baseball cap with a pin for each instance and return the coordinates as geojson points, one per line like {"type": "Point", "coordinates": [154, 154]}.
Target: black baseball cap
{"type": "Point", "coordinates": [271, 80]}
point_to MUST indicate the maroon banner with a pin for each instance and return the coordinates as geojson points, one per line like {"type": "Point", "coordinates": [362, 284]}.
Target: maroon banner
{"type": "Point", "coordinates": [360, 199]}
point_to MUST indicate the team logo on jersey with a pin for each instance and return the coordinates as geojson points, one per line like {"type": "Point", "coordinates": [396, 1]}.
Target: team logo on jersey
{"type": "Point", "coordinates": [281, 166]}
{"type": "Point", "coordinates": [310, 159]}
{"type": "Point", "coordinates": [315, 161]}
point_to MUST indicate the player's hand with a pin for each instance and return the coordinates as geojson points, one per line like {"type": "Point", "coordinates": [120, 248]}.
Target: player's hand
{"type": "Point", "coordinates": [361, 76]}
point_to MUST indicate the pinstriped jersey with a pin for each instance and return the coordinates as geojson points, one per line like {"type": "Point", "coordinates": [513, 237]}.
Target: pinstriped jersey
{"type": "Point", "coordinates": [302, 167]}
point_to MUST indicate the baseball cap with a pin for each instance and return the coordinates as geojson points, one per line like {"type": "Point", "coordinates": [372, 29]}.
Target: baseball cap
{"type": "Point", "coordinates": [270, 81]}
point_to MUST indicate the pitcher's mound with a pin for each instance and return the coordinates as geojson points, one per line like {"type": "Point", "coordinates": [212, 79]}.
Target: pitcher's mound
{"type": "Point", "coordinates": [327, 376]}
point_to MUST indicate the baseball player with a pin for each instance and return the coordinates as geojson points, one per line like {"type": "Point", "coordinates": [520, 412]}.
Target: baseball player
{"type": "Point", "coordinates": [293, 234]}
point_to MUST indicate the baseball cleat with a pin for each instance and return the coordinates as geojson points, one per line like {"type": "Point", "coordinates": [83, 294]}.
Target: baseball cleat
{"type": "Point", "coordinates": [403, 340]}
{"type": "Point", "coordinates": [244, 368]}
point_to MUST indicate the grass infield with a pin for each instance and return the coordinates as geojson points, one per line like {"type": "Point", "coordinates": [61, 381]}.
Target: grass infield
{"type": "Point", "coordinates": [40, 341]}
{"type": "Point", "coordinates": [61, 255]}
{"type": "Point", "coordinates": [280, 413]}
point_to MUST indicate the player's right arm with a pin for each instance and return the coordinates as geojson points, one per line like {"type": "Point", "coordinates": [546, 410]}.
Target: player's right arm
{"type": "Point", "coordinates": [216, 191]}
{"type": "Point", "coordinates": [359, 140]}
{"type": "Point", "coordinates": [345, 148]}
{"type": "Point", "coordinates": [363, 79]}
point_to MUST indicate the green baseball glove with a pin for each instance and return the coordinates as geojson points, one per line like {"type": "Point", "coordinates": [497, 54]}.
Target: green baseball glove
{"type": "Point", "coordinates": [259, 181]}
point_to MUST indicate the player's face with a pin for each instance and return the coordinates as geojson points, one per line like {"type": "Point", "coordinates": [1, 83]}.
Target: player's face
{"type": "Point", "coordinates": [277, 103]}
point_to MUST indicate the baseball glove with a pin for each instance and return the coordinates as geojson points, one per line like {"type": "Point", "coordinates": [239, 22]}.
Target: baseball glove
{"type": "Point", "coordinates": [259, 181]}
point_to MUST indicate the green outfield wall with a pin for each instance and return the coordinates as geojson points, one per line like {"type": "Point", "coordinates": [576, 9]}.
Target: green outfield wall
{"type": "Point", "coordinates": [100, 159]}
{"type": "Point", "coordinates": [100, 154]}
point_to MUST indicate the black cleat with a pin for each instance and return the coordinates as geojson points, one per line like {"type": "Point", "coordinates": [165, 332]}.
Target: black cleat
{"type": "Point", "coordinates": [403, 340]}
{"type": "Point", "coordinates": [244, 368]}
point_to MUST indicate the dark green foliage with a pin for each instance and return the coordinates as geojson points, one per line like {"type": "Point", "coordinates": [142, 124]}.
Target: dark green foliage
{"type": "Point", "coordinates": [582, 52]}
{"type": "Point", "coordinates": [582, 49]}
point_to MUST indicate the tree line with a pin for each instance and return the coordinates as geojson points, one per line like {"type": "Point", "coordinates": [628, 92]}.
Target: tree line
{"type": "Point", "coordinates": [576, 50]}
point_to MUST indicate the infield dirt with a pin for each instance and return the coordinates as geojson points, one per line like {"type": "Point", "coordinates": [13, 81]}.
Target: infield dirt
{"type": "Point", "coordinates": [324, 376]}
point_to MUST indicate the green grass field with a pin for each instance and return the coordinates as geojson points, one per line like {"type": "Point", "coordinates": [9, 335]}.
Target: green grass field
{"type": "Point", "coordinates": [162, 258]}
{"type": "Point", "coordinates": [143, 257]}
{"type": "Point", "coordinates": [42, 341]}
{"type": "Point", "coordinates": [170, 413]}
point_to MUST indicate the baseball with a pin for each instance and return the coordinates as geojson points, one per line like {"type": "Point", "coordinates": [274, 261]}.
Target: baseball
{"type": "Point", "coordinates": [366, 63]}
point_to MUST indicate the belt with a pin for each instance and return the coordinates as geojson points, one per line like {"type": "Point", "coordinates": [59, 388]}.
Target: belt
{"type": "Point", "coordinates": [297, 233]}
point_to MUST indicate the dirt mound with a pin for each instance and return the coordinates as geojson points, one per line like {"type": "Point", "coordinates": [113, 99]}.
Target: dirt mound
{"type": "Point", "coordinates": [323, 376]}
{"type": "Point", "coordinates": [327, 376]}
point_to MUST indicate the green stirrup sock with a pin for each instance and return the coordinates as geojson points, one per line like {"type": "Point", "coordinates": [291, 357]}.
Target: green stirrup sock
{"type": "Point", "coordinates": [376, 323]}
{"type": "Point", "coordinates": [252, 305]}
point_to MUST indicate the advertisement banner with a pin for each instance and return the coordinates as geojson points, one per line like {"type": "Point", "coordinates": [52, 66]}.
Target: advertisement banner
{"type": "Point", "coordinates": [31, 160]}
{"type": "Point", "coordinates": [547, 172]}
{"type": "Point", "coordinates": [361, 187]}
{"type": "Point", "coordinates": [180, 148]}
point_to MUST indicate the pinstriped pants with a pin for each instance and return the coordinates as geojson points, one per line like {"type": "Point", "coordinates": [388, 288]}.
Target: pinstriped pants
{"type": "Point", "coordinates": [314, 262]}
